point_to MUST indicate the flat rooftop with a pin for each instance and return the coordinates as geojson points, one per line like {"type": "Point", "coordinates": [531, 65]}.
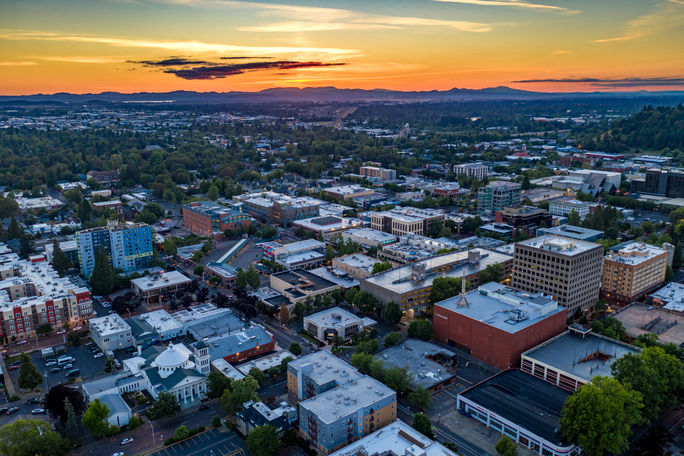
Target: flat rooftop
{"type": "Point", "coordinates": [326, 367]}
{"type": "Point", "coordinates": [634, 253]}
{"type": "Point", "coordinates": [396, 438]}
{"type": "Point", "coordinates": [639, 319]}
{"type": "Point", "coordinates": [672, 295]}
{"type": "Point", "coordinates": [219, 324]}
{"type": "Point", "coordinates": [573, 232]}
{"type": "Point", "coordinates": [527, 401]}
{"type": "Point", "coordinates": [336, 276]}
{"type": "Point", "coordinates": [358, 261]}
{"type": "Point", "coordinates": [502, 307]}
{"type": "Point", "coordinates": [236, 342]}
{"type": "Point", "coordinates": [582, 356]}
{"type": "Point", "coordinates": [417, 355]}
{"type": "Point", "coordinates": [160, 321]}
{"type": "Point", "coordinates": [347, 398]}
{"type": "Point", "coordinates": [297, 277]}
{"type": "Point", "coordinates": [411, 214]}
{"type": "Point", "coordinates": [559, 244]}
{"type": "Point", "coordinates": [335, 318]}
{"type": "Point", "coordinates": [328, 223]}
{"type": "Point", "coordinates": [165, 279]}
{"type": "Point", "coordinates": [111, 324]}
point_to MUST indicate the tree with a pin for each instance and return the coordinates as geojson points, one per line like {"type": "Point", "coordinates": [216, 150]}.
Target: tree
{"type": "Point", "coordinates": [381, 266]}
{"type": "Point", "coordinates": [444, 288]}
{"type": "Point", "coordinates": [398, 378]}
{"type": "Point", "coordinates": [393, 313]}
{"type": "Point", "coordinates": [216, 422]}
{"type": "Point", "coordinates": [84, 210]}
{"type": "Point", "coordinates": [492, 273]}
{"type": "Point", "coordinates": [329, 253]}
{"type": "Point", "coordinates": [599, 415]}
{"type": "Point", "coordinates": [228, 402]}
{"type": "Point", "coordinates": [95, 418]}
{"type": "Point", "coordinates": [72, 427]}
{"type": "Point", "coordinates": [8, 208]}
{"type": "Point", "coordinates": [422, 424]}
{"type": "Point", "coordinates": [241, 280]}
{"type": "Point", "coordinates": [253, 277]}
{"type": "Point", "coordinates": [15, 230]}
{"type": "Point", "coordinates": [295, 349]}
{"type": "Point", "coordinates": [421, 329]}
{"type": "Point", "coordinates": [609, 327]}
{"type": "Point", "coordinates": [165, 406]}
{"type": "Point", "coordinates": [574, 218]}
{"type": "Point", "coordinates": [263, 441]}
{"type": "Point", "coordinates": [525, 183]}
{"type": "Point", "coordinates": [245, 390]}
{"type": "Point", "coordinates": [284, 313]}
{"type": "Point", "coordinates": [366, 346]}
{"type": "Point", "coordinates": [257, 374]}
{"type": "Point", "coordinates": [217, 383]}
{"type": "Point", "coordinates": [392, 339]}
{"type": "Point", "coordinates": [199, 270]}
{"type": "Point", "coordinates": [59, 260]}
{"type": "Point", "coordinates": [659, 378]}
{"type": "Point", "coordinates": [44, 329]}
{"type": "Point", "coordinates": [102, 277]}
{"type": "Point", "coordinates": [29, 376]}
{"type": "Point", "coordinates": [170, 247]}
{"type": "Point", "coordinates": [506, 447]}
{"type": "Point", "coordinates": [212, 193]}
{"type": "Point", "coordinates": [56, 398]}
{"type": "Point", "coordinates": [420, 397]}
{"type": "Point", "coordinates": [31, 438]}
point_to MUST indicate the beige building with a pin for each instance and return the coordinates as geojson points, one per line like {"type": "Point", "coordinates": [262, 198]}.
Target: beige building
{"type": "Point", "coordinates": [356, 265]}
{"type": "Point", "coordinates": [298, 285]}
{"type": "Point", "coordinates": [403, 220]}
{"type": "Point", "coordinates": [568, 269]}
{"type": "Point", "coordinates": [631, 270]}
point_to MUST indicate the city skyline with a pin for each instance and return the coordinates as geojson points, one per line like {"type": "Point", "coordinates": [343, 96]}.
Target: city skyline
{"type": "Point", "coordinates": [215, 45]}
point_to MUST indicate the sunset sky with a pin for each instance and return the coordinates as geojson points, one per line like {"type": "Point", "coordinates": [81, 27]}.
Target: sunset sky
{"type": "Point", "coordinates": [80, 46]}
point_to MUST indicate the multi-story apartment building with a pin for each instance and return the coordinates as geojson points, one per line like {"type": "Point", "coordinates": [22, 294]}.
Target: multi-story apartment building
{"type": "Point", "coordinates": [104, 177]}
{"type": "Point", "coordinates": [129, 246]}
{"type": "Point", "coordinates": [337, 404]}
{"type": "Point", "coordinates": [632, 270]}
{"type": "Point", "coordinates": [497, 195]}
{"type": "Point", "coordinates": [567, 269]}
{"type": "Point", "coordinates": [409, 286]}
{"type": "Point", "coordinates": [477, 170]}
{"type": "Point", "coordinates": [564, 207]}
{"type": "Point", "coordinates": [208, 219]}
{"type": "Point", "coordinates": [32, 294]}
{"type": "Point", "coordinates": [279, 208]}
{"type": "Point", "coordinates": [375, 172]}
{"type": "Point", "coordinates": [664, 182]}
{"type": "Point", "coordinates": [404, 220]}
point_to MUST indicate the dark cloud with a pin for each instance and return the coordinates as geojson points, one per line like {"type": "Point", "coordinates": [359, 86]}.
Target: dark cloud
{"type": "Point", "coordinates": [222, 71]}
{"type": "Point", "coordinates": [244, 58]}
{"type": "Point", "coordinates": [600, 82]}
{"type": "Point", "coordinates": [176, 61]}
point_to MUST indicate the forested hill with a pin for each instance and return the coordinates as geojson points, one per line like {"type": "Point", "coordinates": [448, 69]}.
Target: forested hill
{"type": "Point", "coordinates": [651, 129]}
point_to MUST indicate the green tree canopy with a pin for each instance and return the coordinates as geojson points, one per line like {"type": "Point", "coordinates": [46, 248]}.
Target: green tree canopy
{"type": "Point", "coordinates": [422, 424]}
{"type": "Point", "coordinates": [15, 230]}
{"type": "Point", "coordinates": [381, 266]}
{"type": "Point", "coordinates": [444, 288]}
{"type": "Point", "coordinates": [59, 260]}
{"type": "Point", "coordinates": [609, 327]}
{"type": "Point", "coordinates": [506, 447]}
{"type": "Point", "coordinates": [392, 339]}
{"type": "Point", "coordinates": [295, 349]}
{"type": "Point", "coordinates": [95, 418]}
{"type": "Point", "coordinates": [599, 416]}
{"type": "Point", "coordinates": [165, 406]}
{"type": "Point", "coordinates": [217, 383]}
{"type": "Point", "coordinates": [393, 313]}
{"type": "Point", "coordinates": [29, 375]}
{"type": "Point", "coordinates": [398, 378]}
{"type": "Point", "coordinates": [492, 273]}
{"type": "Point", "coordinates": [263, 441]}
{"type": "Point", "coordinates": [102, 277]}
{"type": "Point", "coordinates": [574, 218]}
{"type": "Point", "coordinates": [421, 329]}
{"type": "Point", "coordinates": [420, 397]}
{"type": "Point", "coordinates": [31, 438]}
{"type": "Point", "coordinates": [241, 280]}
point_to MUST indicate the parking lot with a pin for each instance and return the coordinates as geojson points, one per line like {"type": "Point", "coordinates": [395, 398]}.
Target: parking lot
{"type": "Point", "coordinates": [215, 442]}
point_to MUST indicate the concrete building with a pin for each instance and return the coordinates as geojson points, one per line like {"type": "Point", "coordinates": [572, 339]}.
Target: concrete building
{"type": "Point", "coordinates": [276, 207]}
{"type": "Point", "coordinates": [159, 286]}
{"type": "Point", "coordinates": [430, 364]}
{"type": "Point", "coordinates": [128, 245]}
{"type": "Point", "coordinates": [209, 219]}
{"type": "Point", "coordinates": [572, 232]}
{"type": "Point", "coordinates": [337, 404]}
{"type": "Point", "coordinates": [349, 191]}
{"type": "Point", "coordinates": [563, 207]}
{"type": "Point", "coordinates": [119, 412]}
{"type": "Point", "coordinates": [70, 249]}
{"type": "Point", "coordinates": [631, 270]}
{"type": "Point", "coordinates": [206, 320]}
{"type": "Point", "coordinates": [589, 181]}
{"type": "Point", "coordinates": [255, 414]}
{"type": "Point", "coordinates": [381, 174]}
{"type": "Point", "coordinates": [153, 326]}
{"type": "Point", "coordinates": [368, 237]}
{"type": "Point", "coordinates": [111, 333]}
{"type": "Point", "coordinates": [670, 297]}
{"type": "Point", "coordinates": [327, 324]}
{"type": "Point", "coordinates": [395, 439]}
{"type": "Point", "coordinates": [567, 269]}
{"type": "Point", "coordinates": [414, 247]}
{"type": "Point", "coordinates": [497, 323]}
{"type": "Point", "coordinates": [410, 285]}
{"type": "Point", "coordinates": [476, 170]}
{"type": "Point", "coordinates": [525, 218]}
{"type": "Point", "coordinates": [403, 220]}
{"type": "Point", "coordinates": [32, 294]}
{"type": "Point", "coordinates": [47, 203]}
{"type": "Point", "coordinates": [238, 346]}
{"type": "Point", "coordinates": [298, 284]}
{"type": "Point", "coordinates": [327, 226]}
{"type": "Point", "coordinates": [356, 265]}
{"type": "Point", "coordinates": [661, 182]}
{"type": "Point", "coordinates": [306, 254]}
{"type": "Point", "coordinates": [522, 407]}
{"type": "Point", "coordinates": [574, 357]}
{"type": "Point", "coordinates": [496, 196]}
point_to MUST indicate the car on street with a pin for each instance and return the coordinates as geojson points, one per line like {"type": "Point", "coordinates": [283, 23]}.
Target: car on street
{"type": "Point", "coordinates": [118, 453]}
{"type": "Point", "coordinates": [126, 441]}
{"type": "Point", "coordinates": [13, 367]}
{"type": "Point", "coordinates": [204, 407]}
{"type": "Point", "coordinates": [12, 410]}
{"type": "Point", "coordinates": [68, 366]}
{"type": "Point", "coordinates": [56, 369]}
{"type": "Point", "coordinates": [34, 400]}
{"type": "Point", "coordinates": [61, 331]}
{"type": "Point", "coordinates": [98, 355]}
{"type": "Point", "coordinates": [78, 328]}
{"type": "Point", "coordinates": [22, 342]}
{"type": "Point", "coordinates": [51, 363]}
{"type": "Point", "coordinates": [38, 411]}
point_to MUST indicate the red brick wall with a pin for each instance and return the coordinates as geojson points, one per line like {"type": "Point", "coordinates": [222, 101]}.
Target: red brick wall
{"type": "Point", "coordinates": [250, 353]}
{"type": "Point", "coordinates": [494, 346]}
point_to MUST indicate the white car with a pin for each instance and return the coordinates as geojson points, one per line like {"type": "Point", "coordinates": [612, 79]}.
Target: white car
{"type": "Point", "coordinates": [118, 453]}
{"type": "Point", "coordinates": [127, 440]}
{"type": "Point", "coordinates": [78, 328]}
{"type": "Point", "coordinates": [98, 355]}
{"type": "Point", "coordinates": [50, 363]}
{"type": "Point", "coordinates": [22, 342]}
{"type": "Point", "coordinates": [38, 411]}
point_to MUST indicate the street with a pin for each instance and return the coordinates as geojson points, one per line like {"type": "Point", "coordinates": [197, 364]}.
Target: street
{"type": "Point", "coordinates": [215, 442]}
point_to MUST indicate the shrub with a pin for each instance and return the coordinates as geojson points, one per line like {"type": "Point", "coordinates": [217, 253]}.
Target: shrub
{"type": "Point", "coordinates": [112, 430]}
{"type": "Point", "coordinates": [216, 422]}
{"type": "Point", "coordinates": [135, 422]}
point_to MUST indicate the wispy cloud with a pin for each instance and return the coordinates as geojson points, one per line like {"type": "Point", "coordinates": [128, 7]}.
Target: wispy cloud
{"type": "Point", "coordinates": [666, 16]}
{"type": "Point", "coordinates": [14, 64]}
{"type": "Point", "coordinates": [175, 61]}
{"type": "Point", "coordinates": [561, 52]}
{"type": "Point", "coordinates": [513, 4]}
{"type": "Point", "coordinates": [610, 82]}
{"type": "Point", "coordinates": [213, 71]}
{"type": "Point", "coordinates": [185, 47]}
{"type": "Point", "coordinates": [80, 59]}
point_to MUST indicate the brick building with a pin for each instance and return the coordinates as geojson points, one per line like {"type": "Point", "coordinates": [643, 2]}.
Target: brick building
{"type": "Point", "coordinates": [208, 219]}
{"type": "Point", "coordinates": [632, 270]}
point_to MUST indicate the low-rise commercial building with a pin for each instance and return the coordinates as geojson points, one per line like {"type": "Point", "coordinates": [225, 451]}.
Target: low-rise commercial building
{"type": "Point", "coordinates": [431, 365]}
{"type": "Point", "coordinates": [670, 297]}
{"type": "Point", "coordinates": [497, 323]}
{"type": "Point", "coordinates": [522, 407]}
{"type": "Point", "coordinates": [305, 254]}
{"type": "Point", "coordinates": [336, 322]}
{"type": "Point", "coordinates": [525, 218]}
{"type": "Point", "coordinates": [154, 326]}
{"type": "Point", "coordinates": [276, 207]}
{"type": "Point", "coordinates": [160, 286]}
{"type": "Point", "coordinates": [69, 248]}
{"type": "Point", "coordinates": [356, 265]}
{"type": "Point", "coordinates": [328, 225]}
{"type": "Point", "coordinates": [631, 270]}
{"type": "Point", "coordinates": [111, 333]}
{"type": "Point", "coordinates": [209, 219]}
{"type": "Point", "coordinates": [255, 414]}
{"type": "Point", "coordinates": [403, 220]}
{"type": "Point", "coordinates": [567, 269]}
{"type": "Point", "coordinates": [409, 286]}
{"type": "Point", "coordinates": [574, 357]}
{"type": "Point", "coordinates": [572, 232]}
{"type": "Point", "coordinates": [368, 237]}
{"type": "Point", "coordinates": [239, 346]}
{"type": "Point", "coordinates": [414, 247]}
{"type": "Point", "coordinates": [349, 191]}
{"type": "Point", "coordinates": [298, 284]}
{"type": "Point", "coordinates": [564, 207]}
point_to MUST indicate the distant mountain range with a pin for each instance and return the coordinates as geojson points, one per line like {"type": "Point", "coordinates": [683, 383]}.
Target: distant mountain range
{"type": "Point", "coordinates": [323, 95]}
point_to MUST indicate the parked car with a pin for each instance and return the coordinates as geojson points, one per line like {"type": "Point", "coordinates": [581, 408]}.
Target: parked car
{"type": "Point", "coordinates": [204, 407]}
{"type": "Point", "coordinates": [56, 369]}
{"type": "Point", "coordinates": [126, 441]}
{"type": "Point", "coordinates": [13, 367]}
{"type": "Point", "coordinates": [34, 400]}
{"type": "Point", "coordinates": [12, 410]}
{"type": "Point", "coordinates": [118, 453]}
{"type": "Point", "coordinates": [38, 411]}
{"type": "Point", "coordinates": [68, 366]}
{"type": "Point", "coordinates": [78, 328]}
{"type": "Point", "coordinates": [98, 355]}
{"type": "Point", "coordinates": [61, 331]}
{"type": "Point", "coordinates": [22, 342]}
{"type": "Point", "coordinates": [51, 363]}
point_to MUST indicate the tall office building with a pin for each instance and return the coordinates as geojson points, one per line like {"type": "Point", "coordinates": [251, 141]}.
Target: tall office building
{"type": "Point", "coordinates": [129, 246]}
{"type": "Point", "coordinates": [631, 270]}
{"type": "Point", "coordinates": [497, 195]}
{"type": "Point", "coordinates": [568, 269]}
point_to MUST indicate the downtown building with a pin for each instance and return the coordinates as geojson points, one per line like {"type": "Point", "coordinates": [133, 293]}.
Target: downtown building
{"type": "Point", "coordinates": [567, 269]}
{"type": "Point", "coordinates": [403, 220]}
{"type": "Point", "coordinates": [278, 208]}
{"type": "Point", "coordinates": [496, 196]}
{"type": "Point", "coordinates": [476, 170]}
{"type": "Point", "coordinates": [374, 172]}
{"type": "Point", "coordinates": [208, 219]}
{"type": "Point", "coordinates": [632, 270]}
{"type": "Point", "coordinates": [129, 246]}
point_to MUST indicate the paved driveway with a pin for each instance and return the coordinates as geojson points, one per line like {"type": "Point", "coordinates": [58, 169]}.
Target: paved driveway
{"type": "Point", "coordinates": [215, 442]}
